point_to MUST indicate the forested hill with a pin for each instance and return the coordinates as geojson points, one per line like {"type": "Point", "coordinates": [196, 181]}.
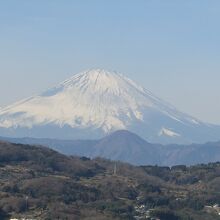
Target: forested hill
{"type": "Point", "coordinates": [39, 183]}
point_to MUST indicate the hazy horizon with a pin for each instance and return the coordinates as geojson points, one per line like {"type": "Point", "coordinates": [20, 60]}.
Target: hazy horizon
{"type": "Point", "coordinates": [171, 48]}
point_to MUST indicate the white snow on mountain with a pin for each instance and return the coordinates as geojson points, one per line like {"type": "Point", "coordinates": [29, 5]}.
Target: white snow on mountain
{"type": "Point", "coordinates": [168, 132]}
{"type": "Point", "coordinates": [98, 100]}
{"type": "Point", "coordinates": [97, 97]}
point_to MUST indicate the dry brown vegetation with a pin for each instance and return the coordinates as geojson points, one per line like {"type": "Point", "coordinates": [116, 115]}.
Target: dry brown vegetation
{"type": "Point", "coordinates": [41, 183]}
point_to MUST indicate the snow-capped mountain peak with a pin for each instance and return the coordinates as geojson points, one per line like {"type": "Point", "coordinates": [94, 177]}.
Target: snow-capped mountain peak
{"type": "Point", "coordinates": [100, 81]}
{"type": "Point", "coordinates": [93, 103]}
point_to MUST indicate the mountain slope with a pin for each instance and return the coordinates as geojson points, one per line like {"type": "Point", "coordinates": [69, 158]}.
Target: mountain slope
{"type": "Point", "coordinates": [128, 147]}
{"type": "Point", "coordinates": [121, 145]}
{"type": "Point", "coordinates": [94, 103]}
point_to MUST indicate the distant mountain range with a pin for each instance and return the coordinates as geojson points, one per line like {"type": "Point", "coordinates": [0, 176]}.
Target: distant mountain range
{"type": "Point", "coordinates": [129, 147]}
{"type": "Point", "coordinates": [95, 103]}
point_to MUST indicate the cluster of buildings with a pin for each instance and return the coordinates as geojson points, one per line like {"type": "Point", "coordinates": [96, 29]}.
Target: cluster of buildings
{"type": "Point", "coordinates": [143, 213]}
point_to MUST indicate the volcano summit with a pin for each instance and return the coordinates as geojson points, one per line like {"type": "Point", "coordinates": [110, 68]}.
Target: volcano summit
{"type": "Point", "coordinates": [94, 103]}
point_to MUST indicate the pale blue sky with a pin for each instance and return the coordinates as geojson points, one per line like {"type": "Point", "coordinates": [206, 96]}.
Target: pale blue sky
{"type": "Point", "coordinates": [171, 47]}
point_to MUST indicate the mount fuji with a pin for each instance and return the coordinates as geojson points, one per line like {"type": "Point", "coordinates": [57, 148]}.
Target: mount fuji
{"type": "Point", "coordinates": [97, 102]}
